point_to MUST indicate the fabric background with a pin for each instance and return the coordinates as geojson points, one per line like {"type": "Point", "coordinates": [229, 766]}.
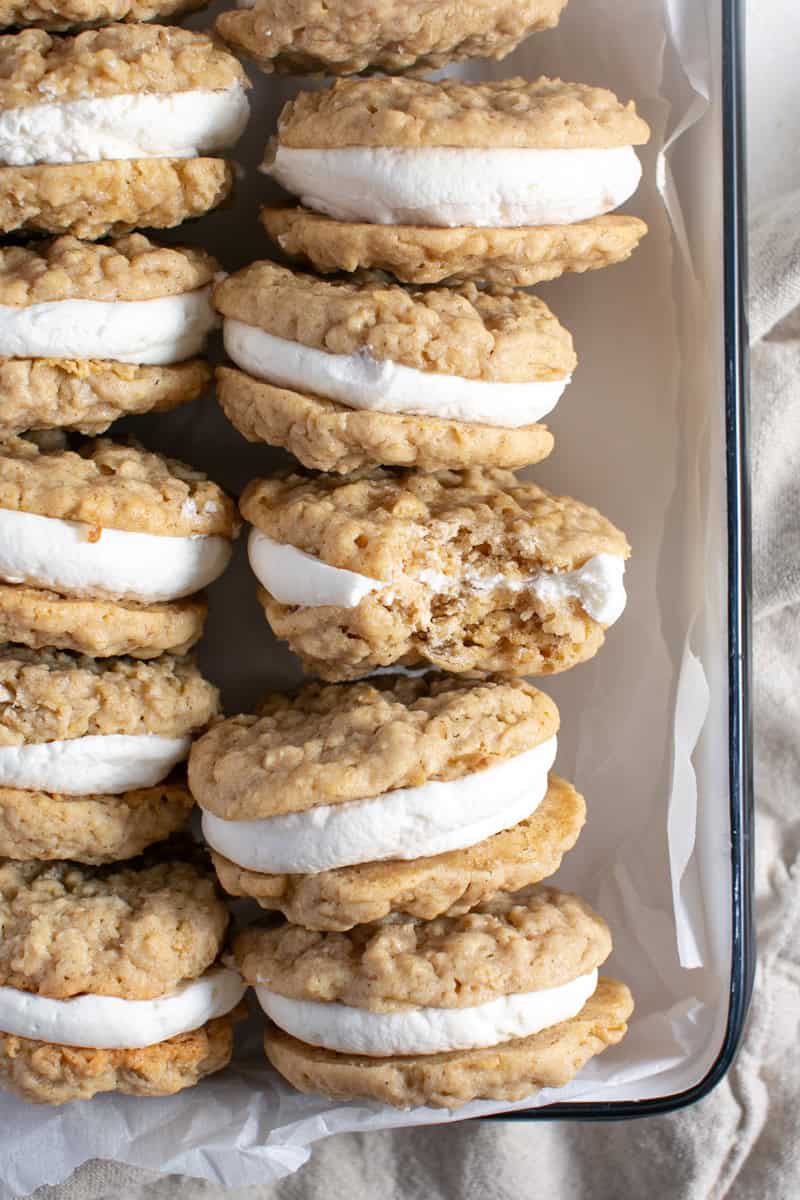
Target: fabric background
{"type": "Point", "coordinates": [742, 1141]}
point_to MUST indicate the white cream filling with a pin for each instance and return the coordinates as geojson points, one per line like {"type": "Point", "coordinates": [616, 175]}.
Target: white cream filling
{"type": "Point", "coordinates": [406, 823]}
{"type": "Point", "coordinates": [107, 764]}
{"type": "Point", "coordinates": [145, 125]}
{"type": "Point", "coordinates": [294, 577]}
{"type": "Point", "coordinates": [450, 186]}
{"type": "Point", "coordinates": [112, 1023]}
{"type": "Point", "coordinates": [50, 553]}
{"type": "Point", "coordinates": [426, 1030]}
{"type": "Point", "coordinates": [380, 385]}
{"type": "Point", "coordinates": [168, 329]}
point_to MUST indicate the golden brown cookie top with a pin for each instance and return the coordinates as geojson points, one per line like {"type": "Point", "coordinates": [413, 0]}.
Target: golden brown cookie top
{"type": "Point", "coordinates": [130, 268]}
{"type": "Point", "coordinates": [300, 36]}
{"type": "Point", "coordinates": [134, 932]}
{"type": "Point", "coordinates": [541, 113]}
{"type": "Point", "coordinates": [392, 525]}
{"type": "Point", "coordinates": [113, 485]}
{"type": "Point", "coordinates": [118, 60]}
{"type": "Point", "coordinates": [67, 14]}
{"type": "Point", "coordinates": [48, 695]}
{"type": "Point", "coordinates": [496, 335]}
{"type": "Point", "coordinates": [328, 745]}
{"type": "Point", "coordinates": [516, 942]}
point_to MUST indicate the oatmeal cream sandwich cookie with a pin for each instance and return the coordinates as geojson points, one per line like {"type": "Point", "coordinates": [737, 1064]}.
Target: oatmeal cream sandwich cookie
{"type": "Point", "coordinates": [59, 15]}
{"type": "Point", "coordinates": [341, 804]}
{"type": "Point", "coordinates": [88, 751]}
{"type": "Point", "coordinates": [102, 550]}
{"type": "Point", "coordinates": [109, 980]}
{"type": "Point", "coordinates": [115, 129]}
{"type": "Point", "coordinates": [510, 182]}
{"type": "Point", "coordinates": [465, 570]}
{"type": "Point", "coordinates": [494, 1004]}
{"type": "Point", "coordinates": [348, 374]}
{"type": "Point", "coordinates": [302, 36]}
{"type": "Point", "coordinates": [90, 333]}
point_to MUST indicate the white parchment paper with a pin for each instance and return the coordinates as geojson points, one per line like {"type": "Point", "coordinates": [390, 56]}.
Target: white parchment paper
{"type": "Point", "coordinates": [639, 434]}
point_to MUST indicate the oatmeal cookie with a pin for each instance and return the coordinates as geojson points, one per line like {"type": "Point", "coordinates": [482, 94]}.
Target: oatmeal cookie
{"type": "Point", "coordinates": [301, 36]}
{"type": "Point", "coordinates": [97, 199]}
{"type": "Point", "coordinates": [39, 619]}
{"type": "Point", "coordinates": [129, 268]}
{"type": "Point", "coordinates": [443, 885]}
{"type": "Point", "coordinates": [87, 395]}
{"type": "Point", "coordinates": [90, 829]}
{"type": "Point", "coordinates": [330, 745]}
{"type": "Point", "coordinates": [510, 1071]}
{"type": "Point", "coordinates": [513, 257]}
{"type": "Point", "coordinates": [133, 932]}
{"type": "Point", "coordinates": [460, 570]}
{"type": "Point", "coordinates": [49, 695]}
{"type": "Point", "coordinates": [499, 336]}
{"type": "Point", "coordinates": [111, 485]}
{"type": "Point", "coordinates": [44, 1073]}
{"type": "Point", "coordinates": [542, 113]}
{"type": "Point", "coordinates": [59, 15]}
{"type": "Point", "coordinates": [514, 942]}
{"type": "Point", "coordinates": [118, 60]}
{"type": "Point", "coordinates": [327, 436]}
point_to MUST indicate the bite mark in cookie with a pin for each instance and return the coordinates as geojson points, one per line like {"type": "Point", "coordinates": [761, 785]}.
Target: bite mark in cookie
{"type": "Point", "coordinates": [471, 570]}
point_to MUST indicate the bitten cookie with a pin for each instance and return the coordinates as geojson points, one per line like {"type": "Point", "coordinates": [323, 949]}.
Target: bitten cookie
{"type": "Point", "coordinates": [108, 982]}
{"type": "Point", "coordinates": [352, 374]}
{"type": "Point", "coordinates": [114, 129]}
{"type": "Point", "coordinates": [469, 570]}
{"type": "Point", "coordinates": [494, 1004]}
{"type": "Point", "coordinates": [59, 15]}
{"type": "Point", "coordinates": [301, 36]}
{"type": "Point", "coordinates": [419, 796]}
{"type": "Point", "coordinates": [100, 549]}
{"type": "Point", "coordinates": [453, 180]}
{"type": "Point", "coordinates": [90, 333]}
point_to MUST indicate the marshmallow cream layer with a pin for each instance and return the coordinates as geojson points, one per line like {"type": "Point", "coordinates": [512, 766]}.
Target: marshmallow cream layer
{"type": "Point", "coordinates": [103, 764]}
{"type": "Point", "coordinates": [406, 823]}
{"type": "Point", "coordinates": [148, 125]}
{"type": "Point", "coordinates": [168, 329]}
{"type": "Point", "coordinates": [426, 1030]}
{"type": "Point", "coordinates": [450, 186]}
{"type": "Point", "coordinates": [112, 1023]}
{"type": "Point", "coordinates": [363, 382]}
{"type": "Point", "coordinates": [294, 577]}
{"type": "Point", "coordinates": [50, 553]}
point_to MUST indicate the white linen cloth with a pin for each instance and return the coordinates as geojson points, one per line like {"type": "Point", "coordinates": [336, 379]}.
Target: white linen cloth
{"type": "Point", "coordinates": [741, 1141]}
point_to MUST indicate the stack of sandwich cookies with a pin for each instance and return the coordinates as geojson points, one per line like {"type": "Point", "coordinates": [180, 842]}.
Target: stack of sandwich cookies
{"type": "Point", "coordinates": [509, 182]}
{"type": "Point", "coordinates": [90, 333]}
{"type": "Point", "coordinates": [495, 1004]}
{"type": "Point", "coordinates": [102, 551]}
{"type": "Point", "coordinates": [351, 374]}
{"type": "Point", "coordinates": [341, 805]}
{"type": "Point", "coordinates": [115, 129]}
{"type": "Point", "coordinates": [91, 752]}
{"type": "Point", "coordinates": [300, 36]}
{"type": "Point", "coordinates": [463, 570]}
{"type": "Point", "coordinates": [109, 980]}
{"type": "Point", "coordinates": [60, 15]}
